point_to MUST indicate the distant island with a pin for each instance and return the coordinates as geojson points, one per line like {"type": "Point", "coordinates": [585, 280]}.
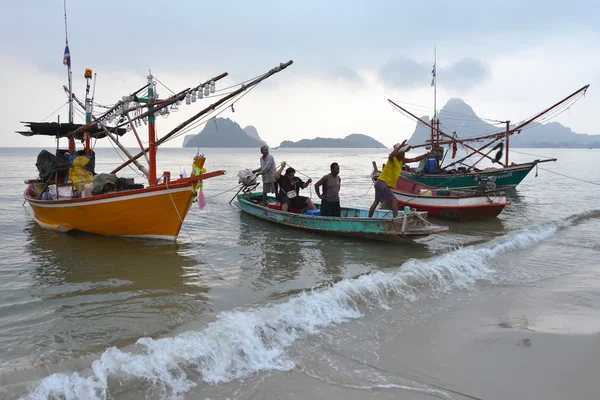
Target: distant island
{"type": "Point", "coordinates": [356, 140]}
{"type": "Point", "coordinates": [223, 132]}
{"type": "Point", "coordinates": [458, 116]}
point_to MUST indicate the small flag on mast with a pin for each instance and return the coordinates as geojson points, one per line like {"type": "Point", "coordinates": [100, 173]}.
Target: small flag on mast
{"type": "Point", "coordinates": [67, 57]}
{"type": "Point", "coordinates": [433, 74]}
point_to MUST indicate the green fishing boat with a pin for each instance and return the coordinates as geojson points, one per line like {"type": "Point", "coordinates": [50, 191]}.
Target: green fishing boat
{"type": "Point", "coordinates": [353, 221]}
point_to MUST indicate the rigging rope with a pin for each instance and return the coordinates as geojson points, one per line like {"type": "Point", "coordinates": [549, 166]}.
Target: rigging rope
{"type": "Point", "coordinates": [57, 110]}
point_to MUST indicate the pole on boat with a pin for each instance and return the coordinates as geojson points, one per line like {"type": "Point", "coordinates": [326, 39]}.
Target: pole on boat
{"type": "Point", "coordinates": [88, 108]}
{"type": "Point", "coordinates": [507, 140]}
{"type": "Point", "coordinates": [151, 133]}
{"type": "Point", "coordinates": [212, 107]}
{"type": "Point", "coordinates": [67, 62]}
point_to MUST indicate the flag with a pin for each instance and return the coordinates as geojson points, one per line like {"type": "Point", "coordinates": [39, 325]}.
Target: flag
{"type": "Point", "coordinates": [433, 74]}
{"type": "Point", "coordinates": [67, 57]}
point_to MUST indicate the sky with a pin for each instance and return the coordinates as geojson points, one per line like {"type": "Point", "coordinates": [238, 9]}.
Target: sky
{"type": "Point", "coordinates": [507, 60]}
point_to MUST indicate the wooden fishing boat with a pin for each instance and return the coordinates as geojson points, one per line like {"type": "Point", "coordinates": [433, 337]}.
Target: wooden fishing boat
{"type": "Point", "coordinates": [464, 173]}
{"type": "Point", "coordinates": [353, 221]}
{"type": "Point", "coordinates": [449, 204]}
{"type": "Point", "coordinates": [69, 195]}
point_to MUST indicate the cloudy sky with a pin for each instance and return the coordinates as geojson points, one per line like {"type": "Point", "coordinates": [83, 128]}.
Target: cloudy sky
{"type": "Point", "coordinates": [506, 59]}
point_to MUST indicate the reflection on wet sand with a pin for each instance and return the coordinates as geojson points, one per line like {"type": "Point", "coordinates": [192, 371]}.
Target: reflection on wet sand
{"type": "Point", "coordinates": [101, 291]}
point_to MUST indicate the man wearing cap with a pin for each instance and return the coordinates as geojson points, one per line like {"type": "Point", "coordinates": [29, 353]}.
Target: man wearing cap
{"type": "Point", "coordinates": [389, 177]}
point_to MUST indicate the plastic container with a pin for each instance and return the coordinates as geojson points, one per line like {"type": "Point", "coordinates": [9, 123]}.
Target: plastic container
{"type": "Point", "coordinates": [432, 165]}
{"type": "Point", "coordinates": [406, 209]}
{"type": "Point", "coordinates": [313, 212]}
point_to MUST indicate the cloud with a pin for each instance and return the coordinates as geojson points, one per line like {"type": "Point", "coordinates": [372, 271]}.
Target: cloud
{"type": "Point", "coordinates": [346, 75]}
{"type": "Point", "coordinates": [464, 74]}
{"type": "Point", "coordinates": [405, 72]}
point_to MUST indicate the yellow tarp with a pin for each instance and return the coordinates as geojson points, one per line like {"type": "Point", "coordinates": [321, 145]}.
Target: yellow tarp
{"type": "Point", "coordinates": [78, 175]}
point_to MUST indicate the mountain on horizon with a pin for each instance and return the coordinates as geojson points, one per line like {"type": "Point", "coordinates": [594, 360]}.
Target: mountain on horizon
{"type": "Point", "coordinates": [355, 140]}
{"type": "Point", "coordinates": [457, 116]}
{"type": "Point", "coordinates": [223, 132]}
{"type": "Point", "coordinates": [253, 133]}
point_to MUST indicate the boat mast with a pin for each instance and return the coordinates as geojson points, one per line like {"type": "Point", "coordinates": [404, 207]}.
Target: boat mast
{"type": "Point", "coordinates": [151, 132]}
{"type": "Point", "coordinates": [88, 108]}
{"type": "Point", "coordinates": [434, 84]}
{"type": "Point", "coordinates": [67, 62]}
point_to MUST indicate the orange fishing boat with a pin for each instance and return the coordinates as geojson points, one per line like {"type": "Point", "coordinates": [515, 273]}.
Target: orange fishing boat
{"type": "Point", "coordinates": [70, 195]}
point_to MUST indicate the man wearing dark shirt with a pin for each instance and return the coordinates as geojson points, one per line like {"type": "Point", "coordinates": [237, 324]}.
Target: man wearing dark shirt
{"type": "Point", "coordinates": [289, 188]}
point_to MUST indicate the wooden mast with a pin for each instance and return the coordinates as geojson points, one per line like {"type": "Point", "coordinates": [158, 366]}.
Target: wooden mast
{"type": "Point", "coordinates": [67, 62]}
{"type": "Point", "coordinates": [151, 133]}
{"type": "Point", "coordinates": [507, 140]}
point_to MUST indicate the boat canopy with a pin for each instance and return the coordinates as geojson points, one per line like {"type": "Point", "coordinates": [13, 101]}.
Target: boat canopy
{"type": "Point", "coordinates": [62, 130]}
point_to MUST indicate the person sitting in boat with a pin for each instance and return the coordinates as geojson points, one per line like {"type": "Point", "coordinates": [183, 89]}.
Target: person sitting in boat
{"type": "Point", "coordinates": [389, 177]}
{"type": "Point", "coordinates": [330, 199]}
{"type": "Point", "coordinates": [267, 170]}
{"type": "Point", "coordinates": [289, 188]}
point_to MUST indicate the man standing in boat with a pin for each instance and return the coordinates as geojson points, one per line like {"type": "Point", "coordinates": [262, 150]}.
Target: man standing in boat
{"type": "Point", "coordinates": [330, 204]}
{"type": "Point", "coordinates": [389, 177]}
{"type": "Point", "coordinates": [289, 189]}
{"type": "Point", "coordinates": [267, 170]}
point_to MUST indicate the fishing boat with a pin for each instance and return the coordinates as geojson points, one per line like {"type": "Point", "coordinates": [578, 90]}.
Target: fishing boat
{"type": "Point", "coordinates": [353, 222]}
{"type": "Point", "coordinates": [464, 173]}
{"type": "Point", "coordinates": [450, 204]}
{"type": "Point", "coordinates": [70, 195]}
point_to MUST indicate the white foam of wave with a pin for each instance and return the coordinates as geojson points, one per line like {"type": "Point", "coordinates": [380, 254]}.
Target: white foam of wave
{"type": "Point", "coordinates": [239, 344]}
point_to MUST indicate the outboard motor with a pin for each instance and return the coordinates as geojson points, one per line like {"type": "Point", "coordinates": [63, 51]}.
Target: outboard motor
{"type": "Point", "coordinates": [247, 177]}
{"type": "Point", "coordinates": [486, 184]}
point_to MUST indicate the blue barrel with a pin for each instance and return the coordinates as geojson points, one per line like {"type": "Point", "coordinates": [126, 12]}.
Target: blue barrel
{"type": "Point", "coordinates": [313, 212]}
{"type": "Point", "coordinates": [432, 165]}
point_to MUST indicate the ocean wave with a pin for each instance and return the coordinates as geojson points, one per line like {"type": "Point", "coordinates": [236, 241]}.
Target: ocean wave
{"type": "Point", "coordinates": [241, 343]}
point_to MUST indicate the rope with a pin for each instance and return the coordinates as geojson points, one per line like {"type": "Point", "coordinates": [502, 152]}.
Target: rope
{"type": "Point", "coordinates": [57, 110]}
{"type": "Point", "coordinates": [188, 233]}
{"type": "Point", "coordinates": [528, 154]}
{"type": "Point", "coordinates": [570, 177]}
{"type": "Point", "coordinates": [300, 172]}
{"type": "Point", "coordinates": [228, 190]}
{"type": "Point", "coordinates": [121, 157]}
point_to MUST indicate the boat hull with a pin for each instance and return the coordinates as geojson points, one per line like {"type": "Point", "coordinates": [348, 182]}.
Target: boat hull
{"type": "Point", "coordinates": [353, 222]}
{"type": "Point", "coordinates": [457, 208]}
{"type": "Point", "coordinates": [505, 177]}
{"type": "Point", "coordinates": [154, 212]}
{"type": "Point", "coordinates": [453, 204]}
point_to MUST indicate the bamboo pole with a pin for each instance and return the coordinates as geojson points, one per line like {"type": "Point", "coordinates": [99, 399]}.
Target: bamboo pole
{"type": "Point", "coordinates": [255, 82]}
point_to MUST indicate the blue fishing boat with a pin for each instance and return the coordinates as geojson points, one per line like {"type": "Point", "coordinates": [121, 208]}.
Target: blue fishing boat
{"type": "Point", "coordinates": [353, 221]}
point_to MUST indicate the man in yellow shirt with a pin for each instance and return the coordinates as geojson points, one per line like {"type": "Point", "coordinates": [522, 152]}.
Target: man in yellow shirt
{"type": "Point", "coordinates": [389, 176]}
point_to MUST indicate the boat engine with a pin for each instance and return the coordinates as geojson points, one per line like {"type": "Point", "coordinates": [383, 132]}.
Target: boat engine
{"type": "Point", "coordinates": [247, 177]}
{"type": "Point", "coordinates": [486, 184]}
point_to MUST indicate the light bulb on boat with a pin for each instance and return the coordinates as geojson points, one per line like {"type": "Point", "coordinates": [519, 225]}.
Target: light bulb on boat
{"type": "Point", "coordinates": [188, 99]}
{"type": "Point", "coordinates": [212, 86]}
{"type": "Point", "coordinates": [206, 90]}
{"type": "Point", "coordinates": [175, 107]}
{"type": "Point", "coordinates": [200, 93]}
{"type": "Point", "coordinates": [194, 96]}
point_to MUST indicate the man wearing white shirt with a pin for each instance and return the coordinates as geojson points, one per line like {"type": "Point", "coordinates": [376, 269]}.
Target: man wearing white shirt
{"type": "Point", "coordinates": [267, 170]}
